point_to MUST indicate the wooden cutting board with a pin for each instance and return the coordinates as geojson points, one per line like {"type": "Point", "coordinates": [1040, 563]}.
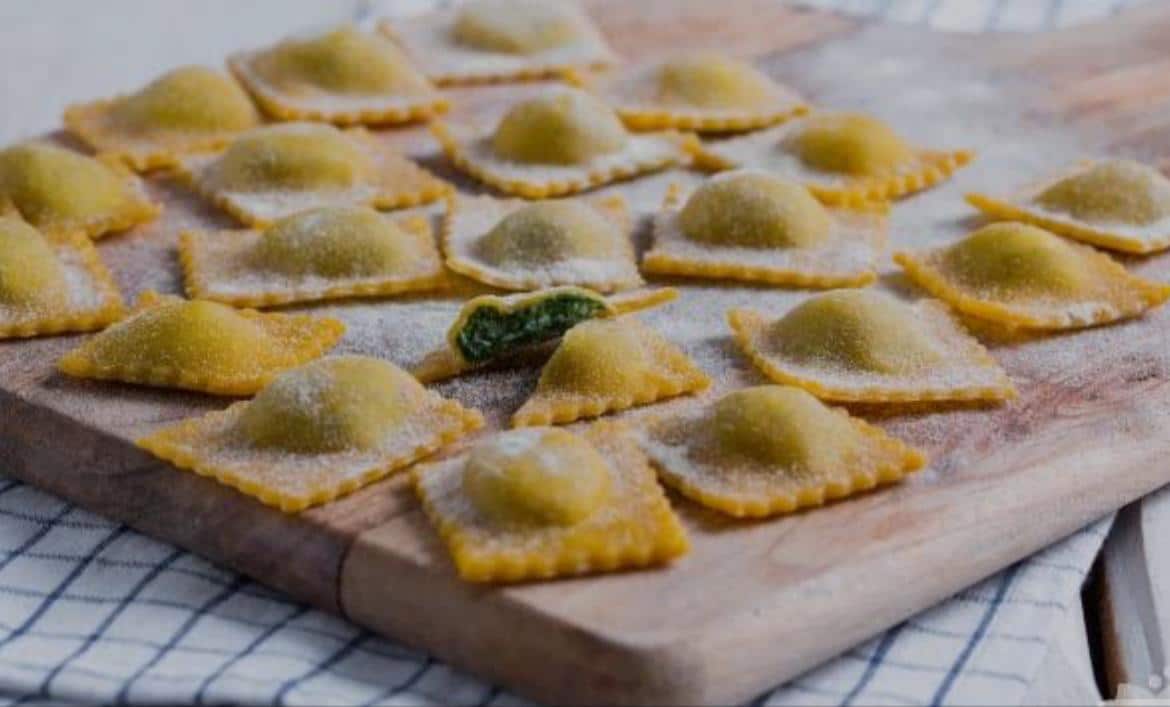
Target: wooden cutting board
{"type": "Point", "coordinates": [755, 603]}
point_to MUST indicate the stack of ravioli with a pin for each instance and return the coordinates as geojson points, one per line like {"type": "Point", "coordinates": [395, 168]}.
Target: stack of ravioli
{"type": "Point", "coordinates": [288, 143]}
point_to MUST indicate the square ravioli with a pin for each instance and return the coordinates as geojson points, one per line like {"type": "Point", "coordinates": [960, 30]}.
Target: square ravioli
{"type": "Point", "coordinates": [52, 286]}
{"type": "Point", "coordinates": [541, 503]}
{"type": "Point", "coordinates": [319, 254]}
{"type": "Point", "coordinates": [198, 345]}
{"type": "Point", "coordinates": [766, 249]}
{"type": "Point", "coordinates": [773, 449]}
{"type": "Point", "coordinates": [520, 245]}
{"type": "Point", "coordinates": [866, 346]}
{"type": "Point", "coordinates": [1116, 204]}
{"type": "Point", "coordinates": [1024, 276]}
{"type": "Point", "coordinates": [276, 171]}
{"type": "Point", "coordinates": [344, 76]}
{"type": "Point", "coordinates": [317, 433]}
{"type": "Point", "coordinates": [841, 158]}
{"type": "Point", "coordinates": [486, 41]}
{"type": "Point", "coordinates": [608, 365]}
{"type": "Point", "coordinates": [189, 109]}
{"type": "Point", "coordinates": [702, 92]}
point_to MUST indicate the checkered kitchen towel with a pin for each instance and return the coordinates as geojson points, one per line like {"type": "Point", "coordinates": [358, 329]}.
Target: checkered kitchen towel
{"type": "Point", "coordinates": [91, 611]}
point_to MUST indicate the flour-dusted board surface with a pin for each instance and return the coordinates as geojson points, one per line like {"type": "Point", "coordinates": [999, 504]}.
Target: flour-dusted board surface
{"type": "Point", "coordinates": [755, 602]}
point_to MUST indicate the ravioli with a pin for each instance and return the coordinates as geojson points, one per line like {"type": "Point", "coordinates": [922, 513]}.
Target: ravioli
{"type": "Point", "coordinates": [702, 91]}
{"type": "Point", "coordinates": [751, 226]}
{"type": "Point", "coordinates": [317, 432]}
{"type": "Point", "coordinates": [279, 170]}
{"type": "Point", "coordinates": [189, 109]}
{"type": "Point", "coordinates": [843, 158]}
{"type": "Point", "coordinates": [343, 76]}
{"type": "Point", "coordinates": [320, 254]}
{"type": "Point", "coordinates": [200, 345]}
{"type": "Point", "coordinates": [52, 286]}
{"type": "Point", "coordinates": [866, 346]}
{"type": "Point", "coordinates": [485, 41]}
{"type": "Point", "coordinates": [607, 365]}
{"type": "Point", "coordinates": [1116, 204]}
{"type": "Point", "coordinates": [491, 328]}
{"type": "Point", "coordinates": [773, 449]}
{"type": "Point", "coordinates": [519, 245]}
{"type": "Point", "coordinates": [1021, 275]}
{"type": "Point", "coordinates": [58, 191]}
{"type": "Point", "coordinates": [563, 142]}
{"type": "Point", "coordinates": [544, 502]}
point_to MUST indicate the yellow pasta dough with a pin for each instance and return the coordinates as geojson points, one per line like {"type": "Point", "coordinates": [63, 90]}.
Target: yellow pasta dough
{"type": "Point", "coordinates": [543, 502]}
{"type": "Point", "coordinates": [773, 449]}
{"type": "Point", "coordinates": [1117, 204]}
{"type": "Point", "coordinates": [277, 171]}
{"type": "Point", "coordinates": [607, 365]}
{"type": "Point", "coordinates": [865, 346]}
{"type": "Point", "coordinates": [189, 109]}
{"type": "Point", "coordinates": [1022, 275]}
{"type": "Point", "coordinates": [343, 76]}
{"type": "Point", "coordinates": [201, 345]}
{"type": "Point", "coordinates": [751, 226]}
{"type": "Point", "coordinates": [317, 432]}
{"type": "Point", "coordinates": [326, 253]}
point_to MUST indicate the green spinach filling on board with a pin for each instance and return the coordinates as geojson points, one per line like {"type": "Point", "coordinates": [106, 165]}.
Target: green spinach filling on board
{"type": "Point", "coordinates": [490, 332]}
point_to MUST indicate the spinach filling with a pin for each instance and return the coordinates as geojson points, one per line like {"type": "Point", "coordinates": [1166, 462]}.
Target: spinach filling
{"type": "Point", "coordinates": [490, 332]}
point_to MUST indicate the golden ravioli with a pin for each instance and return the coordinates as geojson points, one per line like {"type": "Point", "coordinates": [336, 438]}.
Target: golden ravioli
{"type": "Point", "coordinates": [520, 245]}
{"type": "Point", "coordinates": [543, 502]}
{"type": "Point", "coordinates": [491, 328]}
{"type": "Point", "coordinates": [560, 143]}
{"type": "Point", "coordinates": [317, 432]}
{"type": "Point", "coordinates": [773, 449]}
{"type": "Point", "coordinates": [327, 253]}
{"type": "Point", "coordinates": [52, 286]}
{"type": "Point", "coordinates": [485, 41]}
{"type": "Point", "coordinates": [1021, 275]}
{"type": "Point", "coordinates": [279, 170]}
{"type": "Point", "coordinates": [189, 109]}
{"type": "Point", "coordinates": [843, 158]}
{"type": "Point", "coordinates": [1116, 204]}
{"type": "Point", "coordinates": [59, 191]}
{"type": "Point", "coordinates": [701, 91]}
{"type": "Point", "coordinates": [607, 365]}
{"type": "Point", "coordinates": [343, 76]}
{"type": "Point", "coordinates": [866, 346]}
{"type": "Point", "coordinates": [751, 226]}
{"type": "Point", "coordinates": [200, 345]}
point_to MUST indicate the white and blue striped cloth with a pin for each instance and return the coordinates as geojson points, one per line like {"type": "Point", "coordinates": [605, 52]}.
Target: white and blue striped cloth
{"type": "Point", "coordinates": [91, 611]}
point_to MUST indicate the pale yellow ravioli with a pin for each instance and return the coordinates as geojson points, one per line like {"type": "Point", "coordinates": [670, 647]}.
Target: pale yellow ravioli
{"type": "Point", "coordinates": [544, 502]}
{"type": "Point", "coordinates": [328, 253]}
{"type": "Point", "coordinates": [200, 345]}
{"type": "Point", "coordinates": [1022, 275]}
{"type": "Point", "coordinates": [189, 109]}
{"type": "Point", "coordinates": [1117, 204]}
{"type": "Point", "coordinates": [279, 170]}
{"type": "Point", "coordinates": [52, 286]}
{"type": "Point", "coordinates": [867, 346]}
{"type": "Point", "coordinates": [843, 158]}
{"type": "Point", "coordinates": [751, 226]}
{"type": "Point", "coordinates": [485, 41]}
{"type": "Point", "coordinates": [702, 91]}
{"type": "Point", "coordinates": [560, 143]}
{"type": "Point", "coordinates": [773, 449]}
{"type": "Point", "coordinates": [342, 76]}
{"type": "Point", "coordinates": [317, 432]}
{"type": "Point", "coordinates": [607, 365]}
{"type": "Point", "coordinates": [492, 328]}
{"type": "Point", "coordinates": [521, 245]}
{"type": "Point", "coordinates": [60, 191]}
